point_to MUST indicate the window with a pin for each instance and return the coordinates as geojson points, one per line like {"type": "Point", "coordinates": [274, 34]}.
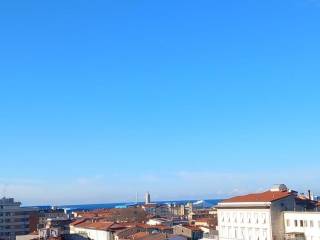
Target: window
{"type": "Point", "coordinates": [250, 233]}
{"type": "Point", "coordinates": [301, 223]}
{"type": "Point", "coordinates": [296, 223]}
{"type": "Point", "coordinates": [305, 223]}
{"type": "Point", "coordinates": [235, 218]}
{"type": "Point", "coordinates": [256, 218]}
{"type": "Point", "coordinates": [242, 233]}
{"type": "Point", "coordinates": [249, 217]}
{"type": "Point", "coordinates": [229, 232]}
{"type": "Point", "coordinates": [257, 231]}
{"type": "Point", "coordinates": [264, 218]}
{"type": "Point", "coordinates": [288, 222]}
{"type": "Point", "coordinates": [311, 223]}
{"type": "Point", "coordinates": [264, 234]}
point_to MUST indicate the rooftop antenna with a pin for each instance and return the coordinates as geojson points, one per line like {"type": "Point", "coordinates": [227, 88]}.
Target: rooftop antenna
{"type": "Point", "coordinates": [137, 198]}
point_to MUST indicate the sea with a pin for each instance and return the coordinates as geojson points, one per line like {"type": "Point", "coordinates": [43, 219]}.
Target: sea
{"type": "Point", "coordinates": [88, 207]}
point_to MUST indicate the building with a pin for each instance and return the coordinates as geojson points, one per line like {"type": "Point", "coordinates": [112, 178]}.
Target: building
{"type": "Point", "coordinates": [205, 222]}
{"type": "Point", "coordinates": [178, 210]}
{"type": "Point", "coordinates": [159, 221]}
{"type": "Point", "coordinates": [209, 233]}
{"type": "Point", "coordinates": [55, 228]}
{"type": "Point", "coordinates": [201, 213]}
{"type": "Point", "coordinates": [51, 214]}
{"type": "Point", "coordinates": [157, 210]}
{"type": "Point", "coordinates": [302, 225]}
{"type": "Point", "coordinates": [256, 216]}
{"type": "Point", "coordinates": [120, 215]}
{"type": "Point", "coordinates": [157, 236]}
{"type": "Point", "coordinates": [154, 228]}
{"type": "Point", "coordinates": [28, 237]}
{"type": "Point", "coordinates": [147, 198]}
{"type": "Point", "coordinates": [126, 233]}
{"type": "Point", "coordinates": [84, 229]}
{"type": "Point", "coordinates": [14, 219]}
{"type": "Point", "coordinates": [188, 231]}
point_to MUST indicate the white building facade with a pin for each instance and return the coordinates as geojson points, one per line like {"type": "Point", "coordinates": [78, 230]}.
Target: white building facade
{"type": "Point", "coordinates": [94, 234]}
{"type": "Point", "coordinates": [306, 225]}
{"type": "Point", "coordinates": [244, 224]}
{"type": "Point", "coordinates": [84, 230]}
{"type": "Point", "coordinates": [255, 216]}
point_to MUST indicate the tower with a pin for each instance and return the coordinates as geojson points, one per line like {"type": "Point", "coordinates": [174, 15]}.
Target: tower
{"type": "Point", "coordinates": [147, 198]}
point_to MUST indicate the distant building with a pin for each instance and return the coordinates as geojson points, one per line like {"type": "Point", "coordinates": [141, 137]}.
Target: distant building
{"type": "Point", "coordinates": [205, 222]}
{"type": "Point", "coordinates": [14, 219]}
{"type": "Point", "coordinates": [209, 233]}
{"type": "Point", "coordinates": [147, 198]}
{"type": "Point", "coordinates": [157, 236]}
{"type": "Point", "coordinates": [55, 228]}
{"type": "Point", "coordinates": [154, 228]}
{"type": "Point", "coordinates": [200, 214]}
{"type": "Point", "coordinates": [159, 221]}
{"type": "Point", "coordinates": [157, 210]}
{"type": "Point", "coordinates": [178, 210]}
{"type": "Point", "coordinates": [123, 215]}
{"type": "Point", "coordinates": [51, 214]}
{"type": "Point", "coordinates": [190, 232]}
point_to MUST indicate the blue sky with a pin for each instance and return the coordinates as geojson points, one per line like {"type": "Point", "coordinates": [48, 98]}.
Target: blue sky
{"type": "Point", "coordinates": [186, 99]}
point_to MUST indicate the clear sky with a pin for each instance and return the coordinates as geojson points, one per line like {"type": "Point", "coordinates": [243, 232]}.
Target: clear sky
{"type": "Point", "coordinates": [185, 99]}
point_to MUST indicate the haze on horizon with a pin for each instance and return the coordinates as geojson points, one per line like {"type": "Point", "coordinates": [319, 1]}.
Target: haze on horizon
{"type": "Point", "coordinates": [186, 99]}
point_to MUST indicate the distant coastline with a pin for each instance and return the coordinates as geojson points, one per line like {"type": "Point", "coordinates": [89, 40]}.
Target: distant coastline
{"type": "Point", "coordinates": [87, 207]}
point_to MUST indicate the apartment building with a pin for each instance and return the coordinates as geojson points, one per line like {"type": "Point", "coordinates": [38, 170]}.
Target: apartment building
{"type": "Point", "coordinates": [14, 219]}
{"type": "Point", "coordinates": [255, 216]}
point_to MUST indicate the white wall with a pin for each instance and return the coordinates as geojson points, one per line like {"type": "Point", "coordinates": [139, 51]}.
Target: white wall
{"type": "Point", "coordinates": [154, 222]}
{"type": "Point", "coordinates": [310, 224]}
{"type": "Point", "coordinates": [244, 224]}
{"type": "Point", "coordinates": [92, 233]}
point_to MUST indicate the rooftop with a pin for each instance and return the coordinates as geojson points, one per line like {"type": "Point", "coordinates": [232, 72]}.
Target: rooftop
{"type": "Point", "coordinates": [268, 196]}
{"type": "Point", "coordinates": [103, 226]}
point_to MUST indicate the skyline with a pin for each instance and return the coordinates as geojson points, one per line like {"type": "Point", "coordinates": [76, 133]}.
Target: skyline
{"type": "Point", "coordinates": [100, 100]}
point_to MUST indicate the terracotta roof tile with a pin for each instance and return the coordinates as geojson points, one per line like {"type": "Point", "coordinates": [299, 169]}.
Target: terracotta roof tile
{"type": "Point", "coordinates": [78, 221]}
{"type": "Point", "coordinates": [105, 226]}
{"type": "Point", "coordinates": [268, 196]}
{"type": "Point", "coordinates": [139, 235]}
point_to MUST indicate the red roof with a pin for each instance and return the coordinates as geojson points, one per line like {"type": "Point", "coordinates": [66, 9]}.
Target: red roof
{"type": "Point", "coordinates": [100, 225]}
{"type": "Point", "coordinates": [139, 235]}
{"type": "Point", "coordinates": [268, 196]}
{"type": "Point", "coordinates": [78, 222]}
